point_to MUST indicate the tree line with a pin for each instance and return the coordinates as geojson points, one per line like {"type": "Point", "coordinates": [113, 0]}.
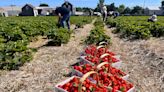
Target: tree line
{"type": "Point", "coordinates": [122, 9]}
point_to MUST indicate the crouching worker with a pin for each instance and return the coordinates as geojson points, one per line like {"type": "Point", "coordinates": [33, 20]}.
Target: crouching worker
{"type": "Point", "coordinates": [153, 18]}
{"type": "Point", "coordinates": [116, 14]}
{"type": "Point", "coordinates": [64, 16]}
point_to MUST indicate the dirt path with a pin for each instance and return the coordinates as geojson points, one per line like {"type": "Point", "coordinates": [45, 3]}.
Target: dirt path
{"type": "Point", "coordinates": [143, 60]}
{"type": "Point", "coordinates": [49, 66]}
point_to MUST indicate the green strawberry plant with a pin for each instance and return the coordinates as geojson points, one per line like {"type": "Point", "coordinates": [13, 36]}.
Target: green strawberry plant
{"type": "Point", "coordinates": [97, 34]}
{"type": "Point", "coordinates": [137, 27]}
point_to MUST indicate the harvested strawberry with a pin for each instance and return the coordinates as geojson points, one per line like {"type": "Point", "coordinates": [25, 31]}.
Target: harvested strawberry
{"type": "Point", "coordinates": [111, 70]}
{"type": "Point", "coordinates": [87, 86]}
{"type": "Point", "coordinates": [85, 68]}
{"type": "Point", "coordinates": [92, 59]}
{"type": "Point", "coordinates": [110, 59]}
{"type": "Point", "coordinates": [96, 60]}
{"type": "Point", "coordinates": [110, 53]}
{"type": "Point", "coordinates": [117, 83]}
{"type": "Point", "coordinates": [93, 51]}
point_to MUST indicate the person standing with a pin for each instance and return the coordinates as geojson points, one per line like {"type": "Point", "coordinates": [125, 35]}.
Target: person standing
{"type": "Point", "coordinates": [103, 12]}
{"type": "Point", "coordinates": [64, 16]}
{"type": "Point", "coordinates": [90, 12]}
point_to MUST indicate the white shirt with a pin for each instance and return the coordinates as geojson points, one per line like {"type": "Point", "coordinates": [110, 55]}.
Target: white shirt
{"type": "Point", "coordinates": [154, 17]}
{"type": "Point", "coordinates": [104, 9]}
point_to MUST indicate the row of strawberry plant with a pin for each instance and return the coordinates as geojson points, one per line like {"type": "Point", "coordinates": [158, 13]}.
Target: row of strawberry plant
{"type": "Point", "coordinates": [97, 34]}
{"type": "Point", "coordinates": [15, 35]}
{"type": "Point", "coordinates": [17, 32]}
{"type": "Point", "coordinates": [137, 27]}
{"type": "Point", "coordinates": [34, 26]}
{"type": "Point", "coordinates": [80, 21]}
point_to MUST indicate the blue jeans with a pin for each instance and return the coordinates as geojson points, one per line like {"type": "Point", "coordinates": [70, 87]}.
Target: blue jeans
{"type": "Point", "coordinates": [65, 18]}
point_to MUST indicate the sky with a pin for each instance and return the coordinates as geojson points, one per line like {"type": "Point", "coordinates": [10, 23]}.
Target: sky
{"type": "Point", "coordinates": [152, 4]}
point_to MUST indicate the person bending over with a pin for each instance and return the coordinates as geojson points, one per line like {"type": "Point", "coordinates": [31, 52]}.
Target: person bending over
{"type": "Point", "coordinates": [153, 18]}
{"type": "Point", "coordinates": [64, 16]}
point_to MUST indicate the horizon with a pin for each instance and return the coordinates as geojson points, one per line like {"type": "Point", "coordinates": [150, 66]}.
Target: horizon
{"type": "Point", "coordinates": [151, 4]}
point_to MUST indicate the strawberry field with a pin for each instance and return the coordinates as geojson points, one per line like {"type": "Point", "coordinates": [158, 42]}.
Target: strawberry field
{"type": "Point", "coordinates": [89, 58]}
{"type": "Point", "coordinates": [137, 27]}
{"type": "Point", "coordinates": [17, 32]}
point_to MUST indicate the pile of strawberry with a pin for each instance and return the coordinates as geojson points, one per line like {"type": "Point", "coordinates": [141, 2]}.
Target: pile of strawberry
{"type": "Point", "coordinates": [97, 60]}
{"type": "Point", "coordinates": [115, 82]}
{"type": "Point", "coordinates": [104, 69]}
{"type": "Point", "coordinates": [93, 55]}
{"type": "Point", "coordinates": [107, 78]}
{"type": "Point", "coordinates": [88, 86]}
{"type": "Point", "coordinates": [94, 51]}
{"type": "Point", "coordinates": [85, 68]}
{"type": "Point", "coordinates": [111, 70]}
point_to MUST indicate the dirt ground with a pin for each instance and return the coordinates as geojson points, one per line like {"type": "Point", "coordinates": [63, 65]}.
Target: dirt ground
{"type": "Point", "coordinates": [142, 59]}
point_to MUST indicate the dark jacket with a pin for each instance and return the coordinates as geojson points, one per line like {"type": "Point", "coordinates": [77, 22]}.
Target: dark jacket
{"type": "Point", "coordinates": [62, 11]}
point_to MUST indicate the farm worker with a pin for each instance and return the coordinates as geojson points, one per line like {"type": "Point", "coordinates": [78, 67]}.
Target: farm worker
{"type": "Point", "coordinates": [90, 12]}
{"type": "Point", "coordinates": [64, 16]}
{"type": "Point", "coordinates": [104, 12]}
{"type": "Point", "coordinates": [153, 18]}
{"type": "Point", "coordinates": [116, 14]}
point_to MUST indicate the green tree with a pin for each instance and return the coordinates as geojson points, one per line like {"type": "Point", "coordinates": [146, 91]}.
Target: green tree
{"type": "Point", "coordinates": [43, 5]}
{"type": "Point", "coordinates": [137, 10]}
{"type": "Point", "coordinates": [79, 9]}
{"type": "Point", "coordinates": [127, 10]}
{"type": "Point", "coordinates": [97, 9]}
{"type": "Point", "coordinates": [111, 7]}
{"type": "Point", "coordinates": [146, 11]}
{"type": "Point", "coordinates": [101, 1]}
{"type": "Point", "coordinates": [121, 8]}
{"type": "Point", "coordinates": [162, 3]}
{"type": "Point", "coordinates": [86, 9]}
